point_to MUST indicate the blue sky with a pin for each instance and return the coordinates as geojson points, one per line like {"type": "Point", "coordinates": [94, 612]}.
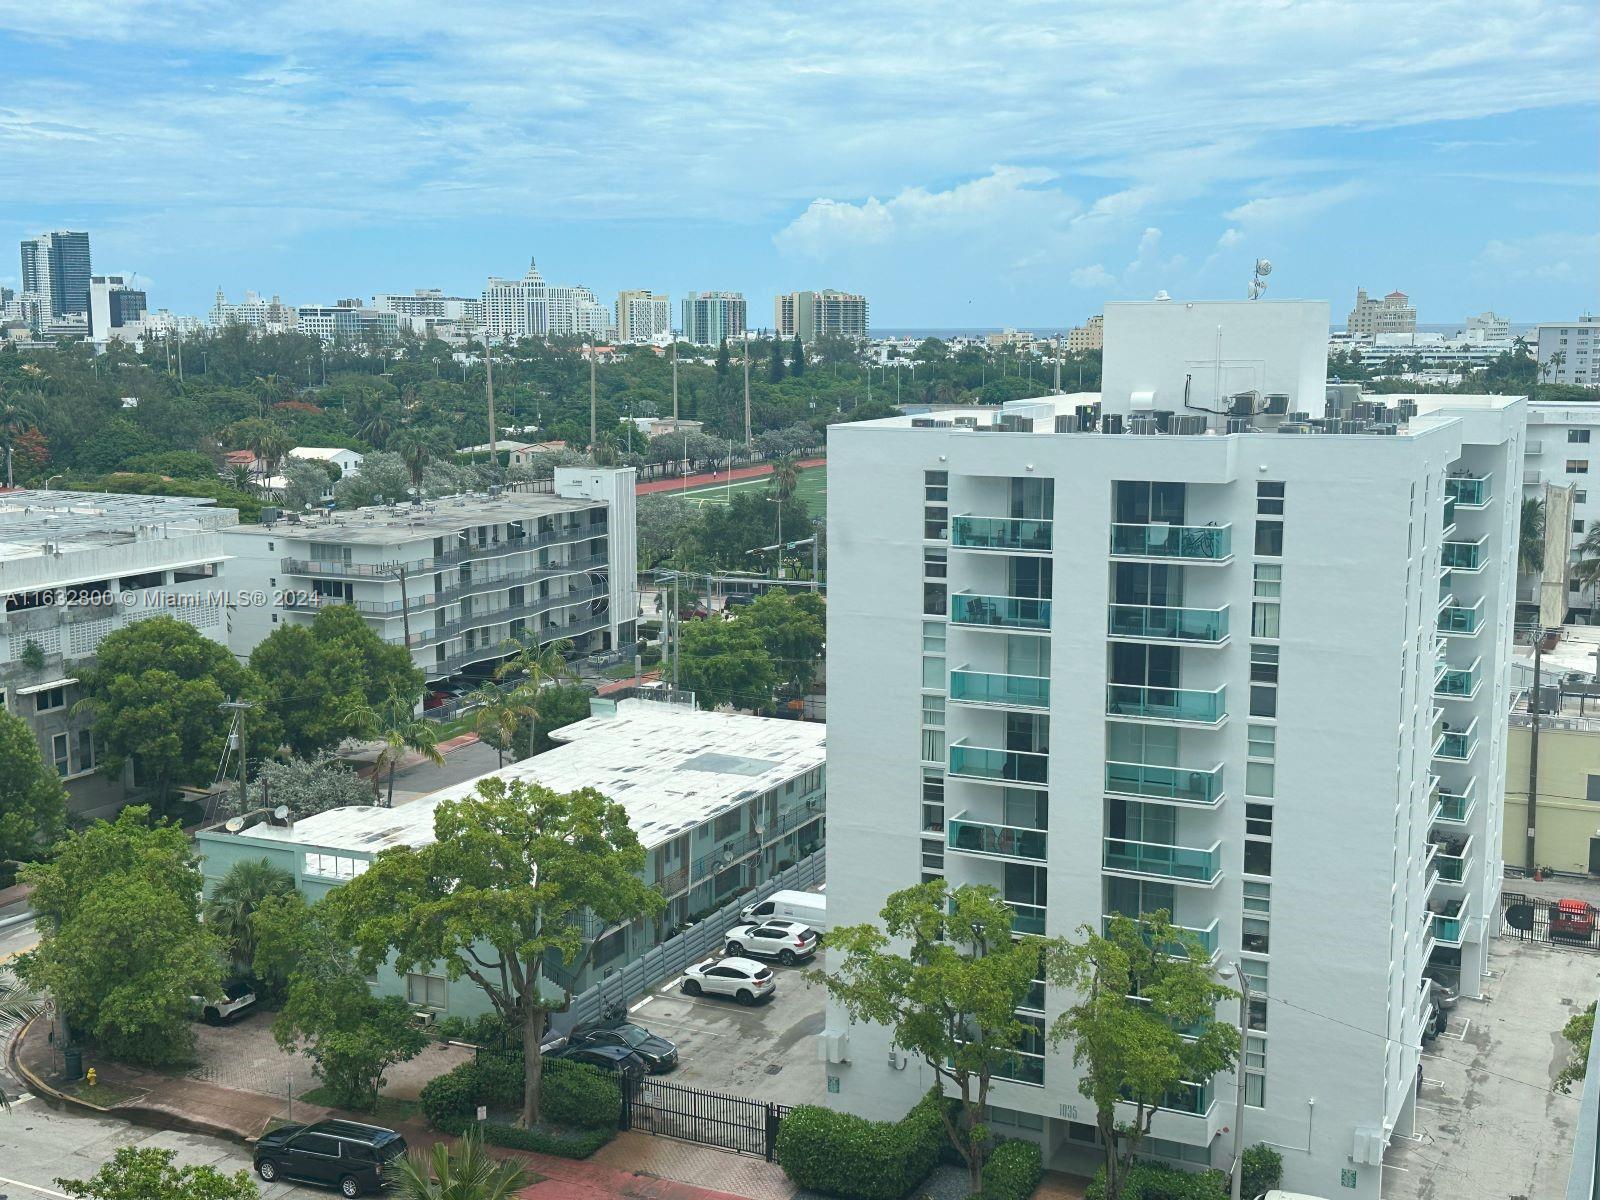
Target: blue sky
{"type": "Point", "coordinates": [967, 165]}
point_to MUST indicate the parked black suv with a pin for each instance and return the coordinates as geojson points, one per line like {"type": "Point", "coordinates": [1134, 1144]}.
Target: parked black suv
{"type": "Point", "coordinates": [343, 1154]}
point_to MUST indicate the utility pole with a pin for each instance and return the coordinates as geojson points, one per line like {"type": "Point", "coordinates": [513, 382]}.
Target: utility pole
{"type": "Point", "coordinates": [180, 356]}
{"type": "Point", "coordinates": [1058, 370]}
{"type": "Point", "coordinates": [674, 382]}
{"type": "Point", "coordinates": [494, 453]}
{"type": "Point", "coordinates": [236, 736]}
{"type": "Point", "coordinates": [1533, 751]}
{"type": "Point", "coordinates": [405, 607]}
{"type": "Point", "coordinates": [747, 390]}
{"type": "Point", "coordinates": [592, 436]}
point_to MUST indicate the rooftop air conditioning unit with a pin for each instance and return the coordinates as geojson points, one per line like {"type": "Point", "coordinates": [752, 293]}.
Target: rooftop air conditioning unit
{"type": "Point", "coordinates": [966, 422]}
{"type": "Point", "coordinates": [1111, 423]}
{"type": "Point", "coordinates": [1189, 423]}
{"type": "Point", "coordinates": [1277, 404]}
{"type": "Point", "coordinates": [1239, 425]}
{"type": "Point", "coordinates": [1143, 424]}
{"type": "Point", "coordinates": [923, 423]}
{"type": "Point", "coordinates": [1295, 427]}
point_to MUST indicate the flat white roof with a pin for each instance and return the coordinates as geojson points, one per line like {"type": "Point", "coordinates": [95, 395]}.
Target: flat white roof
{"type": "Point", "coordinates": [672, 768]}
{"type": "Point", "coordinates": [36, 524]}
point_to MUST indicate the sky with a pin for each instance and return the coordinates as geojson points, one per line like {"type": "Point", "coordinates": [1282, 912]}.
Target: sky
{"type": "Point", "coordinates": [961, 165]}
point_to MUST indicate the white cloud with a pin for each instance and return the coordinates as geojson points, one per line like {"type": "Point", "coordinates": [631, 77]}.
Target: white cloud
{"type": "Point", "coordinates": [1092, 277]}
{"type": "Point", "coordinates": [1292, 209]}
{"type": "Point", "coordinates": [1544, 258]}
{"type": "Point", "coordinates": [1230, 238]}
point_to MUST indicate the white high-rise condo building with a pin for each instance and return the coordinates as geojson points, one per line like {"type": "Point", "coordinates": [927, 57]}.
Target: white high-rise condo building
{"type": "Point", "coordinates": [424, 306]}
{"type": "Point", "coordinates": [516, 308]}
{"type": "Point", "coordinates": [265, 316]}
{"type": "Point", "coordinates": [575, 311]}
{"type": "Point", "coordinates": [1187, 644]}
{"type": "Point", "coordinates": [643, 316]}
{"type": "Point", "coordinates": [810, 316]}
{"type": "Point", "coordinates": [454, 578]}
{"type": "Point", "coordinates": [1569, 352]}
{"type": "Point", "coordinates": [711, 318]}
{"type": "Point", "coordinates": [116, 307]}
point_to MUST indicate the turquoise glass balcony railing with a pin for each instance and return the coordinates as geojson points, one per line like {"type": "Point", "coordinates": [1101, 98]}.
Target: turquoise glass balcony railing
{"type": "Point", "coordinates": [1000, 612]}
{"type": "Point", "coordinates": [1165, 783]}
{"type": "Point", "coordinates": [1446, 930]}
{"type": "Point", "coordinates": [1458, 682]}
{"type": "Point", "coordinates": [1462, 556]}
{"type": "Point", "coordinates": [1017, 691]}
{"type": "Point", "coordinates": [1197, 543]}
{"type": "Point", "coordinates": [1451, 869]}
{"type": "Point", "coordinates": [999, 766]}
{"type": "Point", "coordinates": [1444, 587]}
{"type": "Point", "coordinates": [1191, 1098]}
{"type": "Point", "coordinates": [1452, 809]}
{"type": "Point", "coordinates": [1458, 744]}
{"type": "Point", "coordinates": [1468, 491]}
{"type": "Point", "coordinates": [1026, 918]}
{"type": "Point", "coordinates": [1206, 938]}
{"type": "Point", "coordinates": [1021, 1068]}
{"type": "Point", "coordinates": [1454, 619]}
{"type": "Point", "coordinates": [1166, 704]}
{"type": "Point", "coordinates": [1162, 624]}
{"type": "Point", "coordinates": [1002, 841]}
{"type": "Point", "coordinates": [1449, 510]}
{"type": "Point", "coordinates": [1164, 862]}
{"type": "Point", "coordinates": [1000, 533]}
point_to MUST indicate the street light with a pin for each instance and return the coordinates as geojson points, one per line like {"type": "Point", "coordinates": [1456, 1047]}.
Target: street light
{"type": "Point", "coordinates": [1227, 972]}
{"type": "Point", "coordinates": [51, 480]}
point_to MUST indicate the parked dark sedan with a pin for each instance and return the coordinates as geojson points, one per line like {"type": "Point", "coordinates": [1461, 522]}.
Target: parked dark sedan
{"type": "Point", "coordinates": [616, 1060]}
{"type": "Point", "coordinates": [658, 1053]}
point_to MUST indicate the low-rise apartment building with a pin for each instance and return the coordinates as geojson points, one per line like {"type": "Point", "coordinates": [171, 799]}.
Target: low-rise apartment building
{"type": "Point", "coordinates": [456, 578]}
{"type": "Point", "coordinates": [1569, 352]}
{"type": "Point", "coordinates": [75, 567]}
{"type": "Point", "coordinates": [1562, 449]}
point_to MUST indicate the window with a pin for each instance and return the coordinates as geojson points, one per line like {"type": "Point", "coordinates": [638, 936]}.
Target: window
{"type": "Point", "coordinates": [933, 854]}
{"type": "Point", "coordinates": [933, 635]}
{"type": "Point", "coordinates": [1258, 1013]}
{"type": "Point", "coordinates": [1255, 973]}
{"type": "Point", "coordinates": [427, 991]}
{"type": "Point", "coordinates": [933, 671]}
{"type": "Point", "coordinates": [1257, 897]}
{"type": "Point", "coordinates": [1263, 680]}
{"type": "Point", "coordinates": [58, 751]}
{"type": "Point", "coordinates": [1269, 499]}
{"type": "Point", "coordinates": [1259, 779]}
{"type": "Point", "coordinates": [1257, 858]}
{"type": "Point", "coordinates": [1579, 496]}
{"type": "Point", "coordinates": [333, 866]}
{"type": "Point", "coordinates": [933, 745]}
{"type": "Point", "coordinates": [50, 699]}
{"type": "Point", "coordinates": [1255, 937]}
{"type": "Point", "coordinates": [1258, 820]}
{"type": "Point", "coordinates": [1594, 789]}
{"type": "Point", "coordinates": [1264, 619]}
{"type": "Point", "coordinates": [85, 750]}
{"type": "Point", "coordinates": [935, 563]}
{"type": "Point", "coordinates": [1578, 435]}
{"type": "Point", "coordinates": [1577, 526]}
{"type": "Point", "coordinates": [1255, 1072]}
{"type": "Point", "coordinates": [1269, 538]}
{"type": "Point", "coordinates": [933, 711]}
{"type": "Point", "coordinates": [727, 825]}
{"type": "Point", "coordinates": [1577, 466]}
{"type": "Point", "coordinates": [936, 485]}
{"type": "Point", "coordinates": [1269, 581]}
{"type": "Point", "coordinates": [1263, 741]}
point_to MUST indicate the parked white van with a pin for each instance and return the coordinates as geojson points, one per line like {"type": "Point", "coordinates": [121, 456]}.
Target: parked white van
{"type": "Point", "coordinates": [809, 908]}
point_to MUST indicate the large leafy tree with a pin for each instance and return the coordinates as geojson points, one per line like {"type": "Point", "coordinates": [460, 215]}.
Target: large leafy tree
{"type": "Point", "coordinates": [308, 786]}
{"type": "Point", "coordinates": [792, 629]}
{"type": "Point", "coordinates": [945, 975]}
{"type": "Point", "coordinates": [316, 676]}
{"type": "Point", "coordinates": [725, 662]}
{"type": "Point", "coordinates": [33, 803]}
{"type": "Point", "coordinates": [1530, 537]}
{"type": "Point", "coordinates": [1141, 986]}
{"type": "Point", "coordinates": [503, 887]}
{"type": "Point", "coordinates": [145, 1173]}
{"type": "Point", "coordinates": [397, 729]}
{"type": "Point", "coordinates": [122, 945]}
{"type": "Point", "coordinates": [230, 909]}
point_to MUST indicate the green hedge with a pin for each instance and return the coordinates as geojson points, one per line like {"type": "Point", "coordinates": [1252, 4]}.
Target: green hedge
{"type": "Point", "coordinates": [1263, 1169]}
{"type": "Point", "coordinates": [1012, 1172]}
{"type": "Point", "coordinates": [573, 1093]}
{"type": "Point", "coordinates": [564, 1144]}
{"type": "Point", "coordinates": [580, 1095]}
{"type": "Point", "coordinates": [838, 1154]}
{"type": "Point", "coordinates": [1151, 1181]}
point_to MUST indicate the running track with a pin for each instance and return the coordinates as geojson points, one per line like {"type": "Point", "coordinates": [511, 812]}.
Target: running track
{"type": "Point", "coordinates": [687, 483]}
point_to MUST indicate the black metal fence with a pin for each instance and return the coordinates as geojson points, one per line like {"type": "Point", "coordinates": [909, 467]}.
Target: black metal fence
{"type": "Point", "coordinates": [709, 1118]}
{"type": "Point", "coordinates": [1539, 919]}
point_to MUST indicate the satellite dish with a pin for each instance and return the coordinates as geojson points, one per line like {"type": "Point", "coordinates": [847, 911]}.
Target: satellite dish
{"type": "Point", "coordinates": [1520, 917]}
{"type": "Point", "coordinates": [281, 812]}
{"type": "Point", "coordinates": [234, 824]}
{"type": "Point", "coordinates": [1263, 267]}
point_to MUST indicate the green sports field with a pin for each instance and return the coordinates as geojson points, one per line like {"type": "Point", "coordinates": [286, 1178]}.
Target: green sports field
{"type": "Point", "coordinates": [813, 490]}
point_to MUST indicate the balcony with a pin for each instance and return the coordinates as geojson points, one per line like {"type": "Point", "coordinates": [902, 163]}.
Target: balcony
{"type": "Point", "coordinates": [1000, 533]}
{"type": "Point", "coordinates": [1026, 918]}
{"type": "Point", "coordinates": [1447, 926]}
{"type": "Point", "coordinates": [1453, 808]}
{"type": "Point", "coordinates": [1179, 785]}
{"type": "Point", "coordinates": [1455, 855]}
{"type": "Point", "coordinates": [1155, 623]}
{"type": "Point", "coordinates": [1207, 938]}
{"type": "Point", "coordinates": [1187, 543]}
{"type": "Point", "coordinates": [1531, 448]}
{"type": "Point", "coordinates": [1449, 512]}
{"type": "Point", "coordinates": [1001, 691]}
{"type": "Point", "coordinates": [1531, 479]}
{"type": "Point", "coordinates": [1468, 491]}
{"type": "Point", "coordinates": [1458, 745]}
{"type": "Point", "coordinates": [1456, 620]}
{"type": "Point", "coordinates": [1000, 612]}
{"type": "Point", "coordinates": [1464, 556]}
{"type": "Point", "coordinates": [1152, 860]}
{"type": "Point", "coordinates": [999, 766]}
{"type": "Point", "coordinates": [996, 841]}
{"type": "Point", "coordinates": [1458, 683]}
{"type": "Point", "coordinates": [1135, 702]}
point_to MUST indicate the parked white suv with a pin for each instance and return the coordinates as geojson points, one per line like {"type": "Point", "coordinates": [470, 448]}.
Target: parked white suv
{"type": "Point", "coordinates": [236, 996]}
{"type": "Point", "coordinates": [786, 941]}
{"type": "Point", "coordinates": [744, 979]}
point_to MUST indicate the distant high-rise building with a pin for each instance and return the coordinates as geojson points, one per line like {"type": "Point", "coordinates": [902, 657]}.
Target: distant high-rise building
{"type": "Point", "coordinates": [516, 308]}
{"type": "Point", "coordinates": [263, 316]}
{"type": "Point", "coordinates": [1569, 352]}
{"type": "Point", "coordinates": [575, 311]}
{"type": "Point", "coordinates": [1393, 314]}
{"type": "Point", "coordinates": [643, 316]}
{"type": "Point", "coordinates": [431, 304]}
{"type": "Point", "coordinates": [114, 304]}
{"type": "Point", "coordinates": [1490, 327]}
{"type": "Point", "coordinates": [811, 316]}
{"type": "Point", "coordinates": [1088, 336]}
{"type": "Point", "coordinates": [55, 269]}
{"type": "Point", "coordinates": [710, 318]}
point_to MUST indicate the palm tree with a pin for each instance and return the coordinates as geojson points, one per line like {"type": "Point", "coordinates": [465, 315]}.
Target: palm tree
{"type": "Point", "coordinates": [1530, 538]}
{"type": "Point", "coordinates": [416, 449]}
{"type": "Point", "coordinates": [1586, 572]}
{"type": "Point", "coordinates": [785, 476]}
{"type": "Point", "coordinates": [234, 901]}
{"type": "Point", "coordinates": [541, 664]}
{"type": "Point", "coordinates": [19, 1004]}
{"type": "Point", "coordinates": [373, 421]}
{"type": "Point", "coordinates": [395, 723]}
{"type": "Point", "coordinates": [466, 1172]}
{"type": "Point", "coordinates": [15, 418]}
{"type": "Point", "coordinates": [498, 712]}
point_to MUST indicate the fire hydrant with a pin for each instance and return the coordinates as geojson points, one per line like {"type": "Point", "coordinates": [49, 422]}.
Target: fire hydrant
{"type": "Point", "coordinates": [91, 1076]}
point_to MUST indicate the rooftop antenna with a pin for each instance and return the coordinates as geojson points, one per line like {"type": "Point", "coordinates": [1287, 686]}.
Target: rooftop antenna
{"type": "Point", "coordinates": [1258, 283]}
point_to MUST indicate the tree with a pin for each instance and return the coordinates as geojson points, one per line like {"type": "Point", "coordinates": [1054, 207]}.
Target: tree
{"type": "Point", "coordinates": [122, 946]}
{"type": "Point", "coordinates": [930, 350]}
{"type": "Point", "coordinates": [16, 417]}
{"type": "Point", "coordinates": [539, 665]}
{"type": "Point", "coordinates": [380, 474]}
{"type": "Point", "coordinates": [304, 482]}
{"type": "Point", "coordinates": [267, 440]}
{"type": "Point", "coordinates": [1141, 986]}
{"type": "Point", "coordinates": [395, 725]}
{"type": "Point", "coordinates": [144, 1173]}
{"type": "Point", "coordinates": [1578, 1033]}
{"type": "Point", "coordinates": [1586, 572]}
{"type": "Point", "coordinates": [416, 450]}
{"type": "Point", "coordinates": [33, 802]}
{"type": "Point", "coordinates": [504, 886]}
{"type": "Point", "coordinates": [785, 477]}
{"type": "Point", "coordinates": [792, 629]}
{"type": "Point", "coordinates": [1530, 537]}
{"type": "Point", "coordinates": [775, 366]}
{"type": "Point", "coordinates": [667, 525]}
{"type": "Point", "coordinates": [498, 712]}
{"type": "Point", "coordinates": [19, 1004]}
{"type": "Point", "coordinates": [725, 662]}
{"type": "Point", "coordinates": [945, 975]}
{"type": "Point", "coordinates": [462, 1172]}
{"type": "Point", "coordinates": [797, 358]}
{"type": "Point", "coordinates": [722, 359]}
{"type": "Point", "coordinates": [556, 707]}
{"type": "Point", "coordinates": [230, 909]}
{"type": "Point", "coordinates": [316, 675]}
{"type": "Point", "coordinates": [307, 786]}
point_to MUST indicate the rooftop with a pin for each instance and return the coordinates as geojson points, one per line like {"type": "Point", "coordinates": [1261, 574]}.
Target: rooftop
{"type": "Point", "coordinates": [672, 767]}
{"type": "Point", "coordinates": [35, 524]}
{"type": "Point", "coordinates": [398, 524]}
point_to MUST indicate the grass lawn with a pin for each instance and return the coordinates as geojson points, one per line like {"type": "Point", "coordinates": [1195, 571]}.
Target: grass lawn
{"type": "Point", "coordinates": [813, 490]}
{"type": "Point", "coordinates": [106, 1095]}
{"type": "Point", "coordinates": [388, 1109]}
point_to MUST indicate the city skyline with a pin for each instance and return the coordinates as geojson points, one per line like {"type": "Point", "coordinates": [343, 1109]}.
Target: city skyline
{"type": "Point", "coordinates": [1002, 172]}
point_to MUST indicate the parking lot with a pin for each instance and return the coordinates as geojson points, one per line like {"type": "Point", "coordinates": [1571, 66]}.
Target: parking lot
{"type": "Point", "coordinates": [1489, 1122]}
{"type": "Point", "coordinates": [766, 1052]}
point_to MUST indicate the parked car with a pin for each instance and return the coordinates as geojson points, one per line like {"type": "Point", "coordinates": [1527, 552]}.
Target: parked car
{"type": "Point", "coordinates": [604, 658]}
{"type": "Point", "coordinates": [738, 599]}
{"type": "Point", "coordinates": [659, 1054]}
{"type": "Point", "coordinates": [787, 941]}
{"type": "Point", "coordinates": [616, 1060]}
{"type": "Point", "coordinates": [809, 908]}
{"type": "Point", "coordinates": [237, 995]}
{"type": "Point", "coordinates": [746, 980]}
{"type": "Point", "coordinates": [343, 1154]}
{"type": "Point", "coordinates": [1440, 992]}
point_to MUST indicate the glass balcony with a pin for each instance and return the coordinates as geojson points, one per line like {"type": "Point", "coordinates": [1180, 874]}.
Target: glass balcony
{"type": "Point", "coordinates": [1447, 929]}
{"type": "Point", "coordinates": [1207, 938]}
{"type": "Point", "coordinates": [1449, 510]}
{"type": "Point", "coordinates": [1468, 491]}
{"type": "Point", "coordinates": [1022, 1068]}
{"type": "Point", "coordinates": [1458, 683]}
{"type": "Point", "coordinates": [1164, 862]}
{"type": "Point", "coordinates": [1192, 1098]}
{"type": "Point", "coordinates": [1452, 809]}
{"type": "Point", "coordinates": [1458, 745]}
{"type": "Point", "coordinates": [1001, 841]}
{"type": "Point", "coordinates": [1161, 624]}
{"type": "Point", "coordinates": [1166, 704]}
{"type": "Point", "coordinates": [1026, 918]}
{"type": "Point", "coordinates": [1165, 783]}
{"type": "Point", "coordinates": [1455, 620]}
{"type": "Point", "coordinates": [999, 766]}
{"type": "Point", "coordinates": [1000, 533]}
{"type": "Point", "coordinates": [1463, 556]}
{"type": "Point", "coordinates": [1194, 543]}
{"type": "Point", "coordinates": [1015, 691]}
{"type": "Point", "coordinates": [1000, 612]}
{"type": "Point", "coordinates": [1453, 857]}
